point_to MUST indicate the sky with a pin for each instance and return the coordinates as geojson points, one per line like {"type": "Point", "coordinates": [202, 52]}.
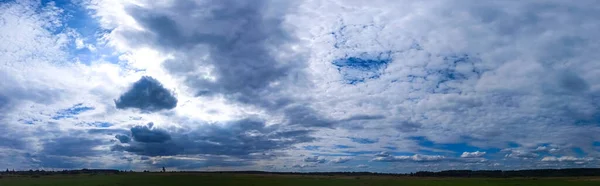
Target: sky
{"type": "Point", "coordinates": [310, 85]}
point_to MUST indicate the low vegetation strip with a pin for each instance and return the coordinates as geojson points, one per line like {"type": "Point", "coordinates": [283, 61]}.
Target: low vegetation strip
{"type": "Point", "coordinates": [230, 179]}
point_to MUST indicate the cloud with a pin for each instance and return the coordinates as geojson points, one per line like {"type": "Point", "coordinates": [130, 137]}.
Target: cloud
{"type": "Point", "coordinates": [315, 159]}
{"type": "Point", "coordinates": [566, 159]}
{"type": "Point", "coordinates": [147, 134]}
{"type": "Point", "coordinates": [123, 138]}
{"type": "Point", "coordinates": [237, 139]}
{"type": "Point", "coordinates": [183, 163]}
{"type": "Point", "coordinates": [358, 69]}
{"type": "Point", "coordinates": [242, 43]}
{"type": "Point", "coordinates": [521, 154]}
{"type": "Point", "coordinates": [547, 149]}
{"type": "Point", "coordinates": [12, 142]}
{"type": "Point", "coordinates": [248, 84]}
{"type": "Point", "coordinates": [364, 140]}
{"type": "Point", "coordinates": [306, 116]}
{"type": "Point", "coordinates": [147, 94]}
{"type": "Point", "coordinates": [383, 154]}
{"type": "Point", "coordinates": [303, 165]}
{"type": "Point", "coordinates": [341, 160]}
{"type": "Point", "coordinates": [362, 166]}
{"type": "Point", "coordinates": [415, 158]}
{"type": "Point", "coordinates": [72, 111]}
{"type": "Point", "coordinates": [475, 154]}
{"type": "Point", "coordinates": [72, 147]}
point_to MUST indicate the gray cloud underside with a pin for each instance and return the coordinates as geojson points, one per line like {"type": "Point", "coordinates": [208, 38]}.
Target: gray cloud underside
{"type": "Point", "coordinates": [238, 139]}
{"type": "Point", "coordinates": [147, 94]}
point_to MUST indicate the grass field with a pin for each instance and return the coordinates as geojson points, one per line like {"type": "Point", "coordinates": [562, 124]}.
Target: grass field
{"type": "Point", "coordinates": [148, 179]}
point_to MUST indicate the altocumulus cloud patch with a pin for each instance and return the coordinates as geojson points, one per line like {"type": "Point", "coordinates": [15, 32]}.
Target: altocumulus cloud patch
{"type": "Point", "coordinates": [147, 94]}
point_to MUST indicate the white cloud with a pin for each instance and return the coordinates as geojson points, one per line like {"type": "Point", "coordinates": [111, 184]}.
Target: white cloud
{"type": "Point", "coordinates": [475, 154]}
{"type": "Point", "coordinates": [341, 160]}
{"type": "Point", "coordinates": [415, 158]}
{"type": "Point", "coordinates": [566, 159]}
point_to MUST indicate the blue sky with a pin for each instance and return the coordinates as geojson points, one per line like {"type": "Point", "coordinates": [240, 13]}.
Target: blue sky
{"type": "Point", "coordinates": [385, 86]}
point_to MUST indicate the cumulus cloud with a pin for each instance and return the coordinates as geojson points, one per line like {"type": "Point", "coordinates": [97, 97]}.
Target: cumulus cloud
{"type": "Point", "coordinates": [475, 154]}
{"type": "Point", "coordinates": [547, 149]}
{"type": "Point", "coordinates": [315, 159]}
{"type": "Point", "coordinates": [123, 138]}
{"type": "Point", "coordinates": [521, 154]}
{"type": "Point", "coordinates": [362, 166]}
{"type": "Point", "coordinates": [147, 94]}
{"type": "Point", "coordinates": [147, 134]}
{"type": "Point", "coordinates": [341, 160]}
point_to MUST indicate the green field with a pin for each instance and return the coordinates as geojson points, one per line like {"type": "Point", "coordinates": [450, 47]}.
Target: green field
{"type": "Point", "coordinates": [181, 179]}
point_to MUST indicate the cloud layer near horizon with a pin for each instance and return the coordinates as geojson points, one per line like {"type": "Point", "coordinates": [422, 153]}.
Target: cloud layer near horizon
{"type": "Point", "coordinates": [307, 85]}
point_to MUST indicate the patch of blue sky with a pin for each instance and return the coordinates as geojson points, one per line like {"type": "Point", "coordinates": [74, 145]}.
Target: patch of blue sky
{"type": "Point", "coordinates": [513, 144]}
{"type": "Point", "coordinates": [84, 46]}
{"type": "Point", "coordinates": [30, 121]}
{"type": "Point", "coordinates": [456, 148]}
{"type": "Point", "coordinates": [363, 140]}
{"type": "Point", "coordinates": [358, 69]}
{"type": "Point", "coordinates": [342, 147]}
{"type": "Point", "coordinates": [390, 148]}
{"type": "Point", "coordinates": [72, 111]}
{"type": "Point", "coordinates": [578, 151]}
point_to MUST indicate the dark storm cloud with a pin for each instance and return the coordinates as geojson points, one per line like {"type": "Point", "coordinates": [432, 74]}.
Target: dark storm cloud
{"type": "Point", "coordinates": [147, 94]}
{"type": "Point", "coordinates": [146, 134]}
{"type": "Point", "coordinates": [151, 149]}
{"type": "Point", "coordinates": [123, 138]}
{"type": "Point", "coordinates": [241, 42]}
{"type": "Point", "coordinates": [240, 139]}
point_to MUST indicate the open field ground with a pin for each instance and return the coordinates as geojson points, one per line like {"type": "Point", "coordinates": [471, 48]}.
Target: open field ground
{"type": "Point", "coordinates": [183, 179]}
